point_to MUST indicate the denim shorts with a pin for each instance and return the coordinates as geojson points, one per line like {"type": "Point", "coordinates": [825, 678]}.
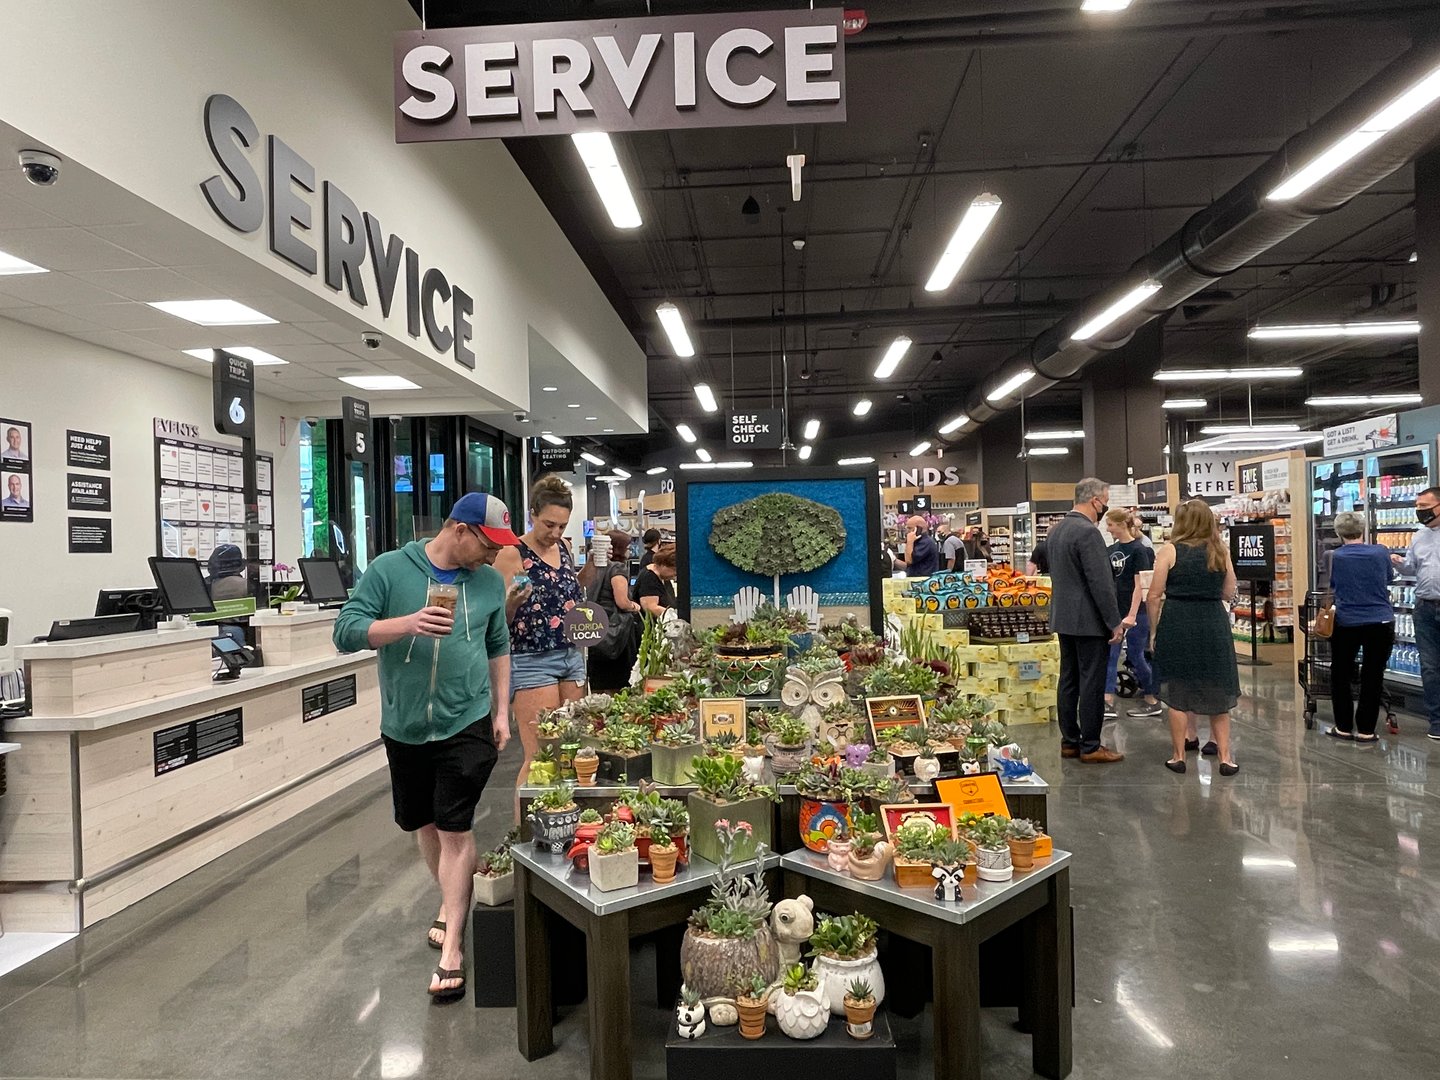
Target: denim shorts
{"type": "Point", "coordinates": [531, 671]}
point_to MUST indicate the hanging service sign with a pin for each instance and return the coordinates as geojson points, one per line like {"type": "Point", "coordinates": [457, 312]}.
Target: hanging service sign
{"type": "Point", "coordinates": [355, 419]}
{"type": "Point", "coordinates": [649, 74]}
{"type": "Point", "coordinates": [763, 429]}
{"type": "Point", "coordinates": [233, 379]}
{"type": "Point", "coordinates": [1373, 434]}
{"type": "Point", "coordinates": [556, 459]}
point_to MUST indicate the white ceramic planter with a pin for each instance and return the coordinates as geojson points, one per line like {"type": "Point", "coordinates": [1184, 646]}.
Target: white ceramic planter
{"type": "Point", "coordinates": [618, 871]}
{"type": "Point", "coordinates": [993, 864]}
{"type": "Point", "coordinates": [494, 891]}
{"type": "Point", "coordinates": [803, 1015]}
{"type": "Point", "coordinates": [839, 974]}
{"type": "Point", "coordinates": [927, 769]}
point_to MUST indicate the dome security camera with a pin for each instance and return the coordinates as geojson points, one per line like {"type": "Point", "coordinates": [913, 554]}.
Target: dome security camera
{"type": "Point", "coordinates": [370, 340]}
{"type": "Point", "coordinates": [41, 168]}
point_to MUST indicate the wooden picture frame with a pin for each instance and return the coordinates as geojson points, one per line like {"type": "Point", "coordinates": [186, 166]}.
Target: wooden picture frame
{"type": "Point", "coordinates": [719, 715]}
{"type": "Point", "coordinates": [893, 815]}
{"type": "Point", "coordinates": [881, 713]}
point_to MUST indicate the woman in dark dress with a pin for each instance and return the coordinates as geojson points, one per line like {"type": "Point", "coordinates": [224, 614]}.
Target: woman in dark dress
{"type": "Point", "coordinates": [1194, 653]}
{"type": "Point", "coordinates": [608, 674]}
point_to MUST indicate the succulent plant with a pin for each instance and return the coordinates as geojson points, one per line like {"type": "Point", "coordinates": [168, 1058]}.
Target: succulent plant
{"type": "Point", "coordinates": [860, 992]}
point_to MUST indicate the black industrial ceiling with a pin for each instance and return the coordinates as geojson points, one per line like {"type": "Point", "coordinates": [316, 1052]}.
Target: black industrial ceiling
{"type": "Point", "coordinates": [1101, 135]}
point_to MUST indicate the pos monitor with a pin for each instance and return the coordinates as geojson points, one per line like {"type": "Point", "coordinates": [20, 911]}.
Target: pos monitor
{"type": "Point", "coordinates": [182, 586]}
{"type": "Point", "coordinates": [324, 584]}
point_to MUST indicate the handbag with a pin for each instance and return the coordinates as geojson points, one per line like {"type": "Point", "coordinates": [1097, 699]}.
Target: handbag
{"type": "Point", "coordinates": [621, 638]}
{"type": "Point", "coordinates": [1324, 619]}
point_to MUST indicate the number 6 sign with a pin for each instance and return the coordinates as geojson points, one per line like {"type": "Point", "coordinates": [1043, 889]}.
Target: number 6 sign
{"type": "Point", "coordinates": [233, 380]}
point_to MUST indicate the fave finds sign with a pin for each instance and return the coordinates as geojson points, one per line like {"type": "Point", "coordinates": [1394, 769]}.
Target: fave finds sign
{"type": "Point", "coordinates": [763, 429]}
{"type": "Point", "coordinates": [646, 74]}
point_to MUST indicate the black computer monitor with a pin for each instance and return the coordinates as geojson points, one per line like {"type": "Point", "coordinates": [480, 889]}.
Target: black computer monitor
{"type": "Point", "coordinates": [100, 626]}
{"type": "Point", "coordinates": [182, 586]}
{"type": "Point", "coordinates": [324, 584]}
{"type": "Point", "coordinates": [142, 601]}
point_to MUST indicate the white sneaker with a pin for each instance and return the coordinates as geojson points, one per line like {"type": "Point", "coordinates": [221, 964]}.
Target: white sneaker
{"type": "Point", "coordinates": [1148, 710]}
{"type": "Point", "coordinates": [1110, 713]}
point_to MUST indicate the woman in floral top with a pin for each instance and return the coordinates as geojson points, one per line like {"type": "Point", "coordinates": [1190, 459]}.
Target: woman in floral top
{"type": "Point", "coordinates": [545, 670]}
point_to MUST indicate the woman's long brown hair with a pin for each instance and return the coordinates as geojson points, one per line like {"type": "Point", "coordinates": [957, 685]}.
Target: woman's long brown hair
{"type": "Point", "coordinates": [1195, 525]}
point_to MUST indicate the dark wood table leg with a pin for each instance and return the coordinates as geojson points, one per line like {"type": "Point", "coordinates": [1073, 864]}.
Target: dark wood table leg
{"type": "Point", "coordinates": [607, 952]}
{"type": "Point", "coordinates": [1049, 961]}
{"type": "Point", "coordinates": [956, 966]}
{"type": "Point", "coordinates": [534, 1021]}
{"type": "Point", "coordinates": [667, 966]}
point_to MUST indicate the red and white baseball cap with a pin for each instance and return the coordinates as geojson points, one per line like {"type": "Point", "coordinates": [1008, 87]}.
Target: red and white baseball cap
{"type": "Point", "coordinates": [489, 515]}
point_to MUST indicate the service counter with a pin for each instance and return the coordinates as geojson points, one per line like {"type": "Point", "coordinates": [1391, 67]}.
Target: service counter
{"type": "Point", "coordinates": [135, 768]}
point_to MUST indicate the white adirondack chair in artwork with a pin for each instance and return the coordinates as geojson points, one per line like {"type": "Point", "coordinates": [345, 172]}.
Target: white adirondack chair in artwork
{"type": "Point", "coordinates": [747, 601]}
{"type": "Point", "coordinates": [806, 600]}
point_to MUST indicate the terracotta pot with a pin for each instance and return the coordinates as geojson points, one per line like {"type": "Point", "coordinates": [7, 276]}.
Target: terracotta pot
{"type": "Point", "coordinates": [1022, 854]}
{"type": "Point", "coordinates": [585, 770]}
{"type": "Point", "coordinates": [656, 682]}
{"type": "Point", "coordinates": [662, 863]}
{"type": "Point", "coordinates": [872, 867]}
{"type": "Point", "coordinates": [820, 820]}
{"type": "Point", "coordinates": [752, 1016]}
{"type": "Point", "coordinates": [714, 966]}
{"type": "Point", "coordinates": [859, 1017]}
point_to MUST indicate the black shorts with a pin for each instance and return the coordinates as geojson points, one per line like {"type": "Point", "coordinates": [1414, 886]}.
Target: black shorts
{"type": "Point", "coordinates": [439, 783]}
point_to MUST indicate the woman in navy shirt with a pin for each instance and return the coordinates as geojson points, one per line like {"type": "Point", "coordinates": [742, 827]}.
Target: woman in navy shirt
{"type": "Point", "coordinates": [1360, 576]}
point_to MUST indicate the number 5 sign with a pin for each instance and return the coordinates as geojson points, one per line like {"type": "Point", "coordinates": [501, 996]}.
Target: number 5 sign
{"type": "Point", "coordinates": [355, 415]}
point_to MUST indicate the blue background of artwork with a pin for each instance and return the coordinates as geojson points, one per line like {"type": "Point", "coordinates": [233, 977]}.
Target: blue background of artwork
{"type": "Point", "coordinates": [713, 582]}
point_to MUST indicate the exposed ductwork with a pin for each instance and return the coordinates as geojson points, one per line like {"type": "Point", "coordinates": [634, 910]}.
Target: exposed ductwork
{"type": "Point", "coordinates": [1225, 236]}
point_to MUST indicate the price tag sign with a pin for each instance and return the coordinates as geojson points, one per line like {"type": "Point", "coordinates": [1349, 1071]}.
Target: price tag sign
{"type": "Point", "coordinates": [1029, 669]}
{"type": "Point", "coordinates": [1022, 638]}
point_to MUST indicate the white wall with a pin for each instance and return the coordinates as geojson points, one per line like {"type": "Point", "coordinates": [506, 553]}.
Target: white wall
{"type": "Point", "coordinates": [55, 382]}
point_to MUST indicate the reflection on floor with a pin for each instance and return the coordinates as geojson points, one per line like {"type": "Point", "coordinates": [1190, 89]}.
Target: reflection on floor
{"type": "Point", "coordinates": [16, 950]}
{"type": "Point", "coordinates": [1282, 922]}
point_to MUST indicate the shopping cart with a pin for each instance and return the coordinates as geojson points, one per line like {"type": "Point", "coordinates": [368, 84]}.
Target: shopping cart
{"type": "Point", "coordinates": [1314, 667]}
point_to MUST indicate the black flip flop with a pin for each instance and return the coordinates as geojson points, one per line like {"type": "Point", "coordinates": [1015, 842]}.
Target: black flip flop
{"type": "Point", "coordinates": [1367, 739]}
{"type": "Point", "coordinates": [448, 993]}
{"type": "Point", "coordinates": [436, 925]}
{"type": "Point", "coordinates": [1336, 733]}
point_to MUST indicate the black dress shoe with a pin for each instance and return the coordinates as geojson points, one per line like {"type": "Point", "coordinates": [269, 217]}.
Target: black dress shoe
{"type": "Point", "coordinates": [1210, 749]}
{"type": "Point", "coordinates": [1226, 769]}
{"type": "Point", "coordinates": [1192, 744]}
{"type": "Point", "coordinates": [1176, 766]}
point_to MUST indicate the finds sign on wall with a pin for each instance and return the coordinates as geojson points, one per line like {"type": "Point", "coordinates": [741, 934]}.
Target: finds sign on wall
{"type": "Point", "coordinates": [650, 74]}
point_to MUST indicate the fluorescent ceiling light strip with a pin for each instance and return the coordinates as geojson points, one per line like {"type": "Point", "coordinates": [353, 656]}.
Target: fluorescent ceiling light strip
{"type": "Point", "coordinates": [622, 474]}
{"type": "Point", "coordinates": [862, 407]}
{"type": "Point", "coordinates": [1105, 5]}
{"type": "Point", "coordinates": [1184, 403]}
{"type": "Point", "coordinates": [1207, 374]}
{"type": "Point", "coordinates": [1317, 331]}
{"type": "Point", "coordinates": [258, 357]}
{"type": "Point", "coordinates": [856, 461]}
{"type": "Point", "coordinates": [692, 465]}
{"type": "Point", "coordinates": [553, 440]}
{"type": "Point", "coordinates": [598, 154]}
{"type": "Point", "coordinates": [919, 449]}
{"type": "Point", "coordinates": [683, 430]}
{"type": "Point", "coordinates": [812, 428]}
{"type": "Point", "coordinates": [893, 355]}
{"type": "Point", "coordinates": [1118, 310]}
{"type": "Point", "coordinates": [1051, 436]}
{"type": "Point", "coordinates": [1010, 385]}
{"type": "Point", "coordinates": [598, 462]}
{"type": "Point", "coordinates": [674, 324]}
{"type": "Point", "coordinates": [954, 425]}
{"type": "Point", "coordinates": [212, 312]}
{"type": "Point", "coordinates": [805, 452]}
{"type": "Point", "coordinates": [978, 217]}
{"type": "Point", "coordinates": [702, 453]}
{"type": "Point", "coordinates": [1256, 442]}
{"type": "Point", "coordinates": [13, 264]}
{"type": "Point", "coordinates": [1371, 130]}
{"type": "Point", "coordinates": [1048, 451]}
{"type": "Point", "coordinates": [1247, 429]}
{"type": "Point", "coordinates": [658, 470]}
{"type": "Point", "coordinates": [1365, 399]}
{"type": "Point", "coordinates": [380, 382]}
{"type": "Point", "coordinates": [706, 397]}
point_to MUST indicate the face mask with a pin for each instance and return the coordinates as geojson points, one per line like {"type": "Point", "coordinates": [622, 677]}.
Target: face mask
{"type": "Point", "coordinates": [1425, 517]}
{"type": "Point", "coordinates": [1104, 509]}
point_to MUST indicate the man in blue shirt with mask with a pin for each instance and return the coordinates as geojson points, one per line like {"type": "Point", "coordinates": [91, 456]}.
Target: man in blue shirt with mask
{"type": "Point", "coordinates": [1422, 562]}
{"type": "Point", "coordinates": [922, 554]}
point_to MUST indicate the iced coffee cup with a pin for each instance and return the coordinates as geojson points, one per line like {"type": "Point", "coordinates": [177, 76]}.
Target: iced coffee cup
{"type": "Point", "coordinates": [442, 596]}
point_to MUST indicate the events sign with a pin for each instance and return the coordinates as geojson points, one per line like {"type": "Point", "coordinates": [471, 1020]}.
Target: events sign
{"type": "Point", "coordinates": [1373, 434]}
{"type": "Point", "coordinates": [1252, 551]}
{"type": "Point", "coordinates": [645, 74]}
{"type": "Point", "coordinates": [1210, 476]}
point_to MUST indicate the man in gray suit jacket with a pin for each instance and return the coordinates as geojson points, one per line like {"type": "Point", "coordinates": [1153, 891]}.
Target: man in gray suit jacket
{"type": "Point", "coordinates": [1084, 614]}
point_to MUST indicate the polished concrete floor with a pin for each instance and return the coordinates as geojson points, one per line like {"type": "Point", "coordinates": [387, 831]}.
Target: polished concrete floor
{"type": "Point", "coordinates": [1285, 922]}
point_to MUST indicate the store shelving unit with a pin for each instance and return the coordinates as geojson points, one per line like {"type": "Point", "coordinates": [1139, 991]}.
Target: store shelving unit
{"type": "Point", "coordinates": [1158, 496]}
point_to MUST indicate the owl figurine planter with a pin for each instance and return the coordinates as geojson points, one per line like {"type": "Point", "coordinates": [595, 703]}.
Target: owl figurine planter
{"type": "Point", "coordinates": [808, 695]}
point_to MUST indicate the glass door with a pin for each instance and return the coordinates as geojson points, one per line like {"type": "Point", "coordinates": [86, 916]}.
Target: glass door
{"type": "Point", "coordinates": [1394, 480]}
{"type": "Point", "coordinates": [1335, 486]}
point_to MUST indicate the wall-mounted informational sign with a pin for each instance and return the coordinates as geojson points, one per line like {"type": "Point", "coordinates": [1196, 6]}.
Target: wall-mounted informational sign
{"type": "Point", "coordinates": [327, 697]}
{"type": "Point", "coordinates": [355, 416]}
{"type": "Point", "coordinates": [17, 498]}
{"type": "Point", "coordinates": [1252, 550]}
{"type": "Point", "coordinates": [90, 536]}
{"type": "Point", "coordinates": [762, 429]}
{"type": "Point", "coordinates": [185, 744]}
{"type": "Point", "coordinates": [1210, 476]}
{"type": "Point", "coordinates": [1373, 434]}
{"type": "Point", "coordinates": [85, 450]}
{"type": "Point", "coordinates": [87, 492]}
{"type": "Point", "coordinates": [233, 379]}
{"type": "Point", "coordinates": [1250, 479]}
{"type": "Point", "coordinates": [646, 74]}
{"type": "Point", "coordinates": [1275, 474]}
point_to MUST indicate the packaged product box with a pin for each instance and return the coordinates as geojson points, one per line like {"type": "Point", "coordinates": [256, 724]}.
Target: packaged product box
{"type": "Point", "coordinates": [992, 670]}
{"type": "Point", "coordinates": [1015, 653]}
{"type": "Point", "coordinates": [956, 638]}
{"type": "Point", "coordinates": [987, 654]}
{"type": "Point", "coordinates": [1044, 847]}
{"type": "Point", "coordinates": [1049, 650]}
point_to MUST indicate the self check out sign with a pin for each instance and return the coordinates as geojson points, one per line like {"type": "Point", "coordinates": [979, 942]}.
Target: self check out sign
{"type": "Point", "coordinates": [763, 429]}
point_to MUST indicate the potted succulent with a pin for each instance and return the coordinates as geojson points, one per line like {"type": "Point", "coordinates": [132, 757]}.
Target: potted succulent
{"type": "Point", "coordinates": [660, 707]}
{"type": "Point", "coordinates": [663, 855]}
{"type": "Point", "coordinates": [844, 949]}
{"type": "Point", "coordinates": [1021, 834]}
{"type": "Point", "coordinates": [554, 817]}
{"type": "Point", "coordinates": [747, 659]}
{"type": "Point", "coordinates": [728, 941]}
{"type": "Point", "coordinates": [752, 1002]}
{"type": "Point", "coordinates": [614, 862]}
{"type": "Point", "coordinates": [900, 678]}
{"type": "Point", "coordinates": [543, 770]}
{"type": "Point", "coordinates": [826, 795]}
{"type": "Point", "coordinates": [690, 1014]}
{"type": "Point", "coordinates": [992, 853]}
{"type": "Point", "coordinates": [972, 763]}
{"type": "Point", "coordinates": [893, 789]}
{"type": "Point", "coordinates": [726, 742]}
{"type": "Point", "coordinates": [927, 765]}
{"type": "Point", "coordinates": [673, 748]}
{"type": "Point", "coordinates": [837, 850]}
{"type": "Point", "coordinates": [654, 659]}
{"type": "Point", "coordinates": [589, 715]}
{"type": "Point", "coordinates": [591, 824]}
{"type": "Point", "coordinates": [587, 764]}
{"type": "Point", "coordinates": [801, 1009]}
{"type": "Point", "coordinates": [869, 852]}
{"type": "Point", "coordinates": [552, 727]}
{"type": "Point", "coordinates": [914, 851]}
{"type": "Point", "coordinates": [495, 873]}
{"type": "Point", "coordinates": [860, 1005]}
{"type": "Point", "coordinates": [723, 793]}
{"type": "Point", "coordinates": [903, 744]}
{"type": "Point", "coordinates": [789, 744]}
{"type": "Point", "coordinates": [625, 752]}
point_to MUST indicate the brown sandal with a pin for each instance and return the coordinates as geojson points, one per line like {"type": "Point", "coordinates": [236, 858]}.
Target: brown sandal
{"type": "Point", "coordinates": [436, 925]}
{"type": "Point", "coordinates": [448, 993]}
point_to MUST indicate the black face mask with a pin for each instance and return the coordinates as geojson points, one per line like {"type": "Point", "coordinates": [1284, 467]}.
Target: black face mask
{"type": "Point", "coordinates": [1104, 509]}
{"type": "Point", "coordinates": [1425, 517]}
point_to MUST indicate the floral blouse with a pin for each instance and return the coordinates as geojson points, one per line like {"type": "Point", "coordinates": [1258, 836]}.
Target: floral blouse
{"type": "Point", "coordinates": [537, 627]}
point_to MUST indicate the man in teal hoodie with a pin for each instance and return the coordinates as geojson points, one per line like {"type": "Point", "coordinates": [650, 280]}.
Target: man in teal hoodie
{"type": "Point", "coordinates": [444, 693]}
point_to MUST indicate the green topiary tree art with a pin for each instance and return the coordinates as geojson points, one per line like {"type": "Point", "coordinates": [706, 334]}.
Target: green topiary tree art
{"type": "Point", "coordinates": [778, 534]}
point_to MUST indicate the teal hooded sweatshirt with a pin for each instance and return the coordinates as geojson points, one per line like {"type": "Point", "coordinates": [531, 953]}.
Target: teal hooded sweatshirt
{"type": "Point", "coordinates": [430, 688]}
